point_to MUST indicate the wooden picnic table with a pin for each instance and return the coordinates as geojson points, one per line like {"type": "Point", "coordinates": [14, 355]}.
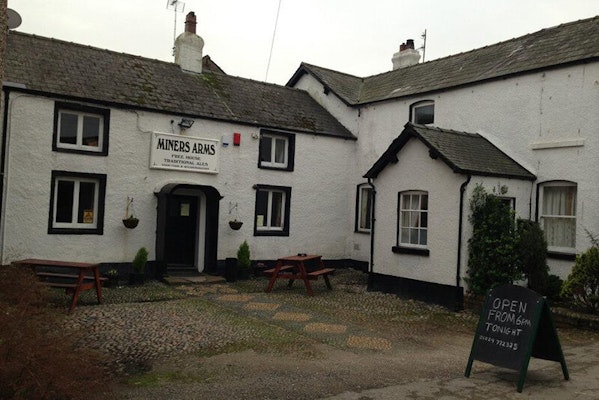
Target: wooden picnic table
{"type": "Point", "coordinates": [294, 267]}
{"type": "Point", "coordinates": [78, 276]}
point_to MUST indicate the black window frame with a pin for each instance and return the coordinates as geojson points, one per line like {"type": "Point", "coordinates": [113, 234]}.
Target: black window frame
{"type": "Point", "coordinates": [99, 229]}
{"type": "Point", "coordinates": [81, 108]}
{"type": "Point", "coordinates": [287, 211]}
{"type": "Point", "coordinates": [290, 137]}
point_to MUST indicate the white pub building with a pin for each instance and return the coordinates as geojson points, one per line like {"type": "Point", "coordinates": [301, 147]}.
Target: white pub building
{"type": "Point", "coordinates": [373, 172]}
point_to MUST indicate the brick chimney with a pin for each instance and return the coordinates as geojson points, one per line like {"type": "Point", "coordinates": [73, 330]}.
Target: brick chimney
{"type": "Point", "coordinates": [406, 55]}
{"type": "Point", "coordinates": [189, 46]}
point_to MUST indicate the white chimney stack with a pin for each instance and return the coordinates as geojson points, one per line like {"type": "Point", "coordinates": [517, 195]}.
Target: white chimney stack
{"type": "Point", "coordinates": [189, 46]}
{"type": "Point", "coordinates": [406, 56]}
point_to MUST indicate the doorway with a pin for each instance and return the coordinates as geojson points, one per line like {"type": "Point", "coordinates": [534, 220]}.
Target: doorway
{"type": "Point", "coordinates": [187, 229]}
{"type": "Point", "coordinates": [180, 232]}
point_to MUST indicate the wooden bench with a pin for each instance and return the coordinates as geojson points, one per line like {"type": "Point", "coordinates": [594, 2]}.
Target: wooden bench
{"type": "Point", "coordinates": [271, 271]}
{"type": "Point", "coordinates": [86, 278]}
{"type": "Point", "coordinates": [324, 272]}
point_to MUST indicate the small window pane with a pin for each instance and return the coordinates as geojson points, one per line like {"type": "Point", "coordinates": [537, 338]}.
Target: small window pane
{"type": "Point", "coordinates": [261, 208]}
{"type": "Point", "coordinates": [86, 202]}
{"type": "Point", "coordinates": [424, 114]}
{"type": "Point", "coordinates": [277, 209]}
{"type": "Point", "coordinates": [280, 151]}
{"type": "Point", "coordinates": [424, 202]}
{"type": "Point", "coordinates": [68, 128]}
{"type": "Point", "coordinates": [64, 201]}
{"type": "Point", "coordinates": [266, 148]}
{"type": "Point", "coordinates": [365, 207]}
{"type": "Point", "coordinates": [91, 131]}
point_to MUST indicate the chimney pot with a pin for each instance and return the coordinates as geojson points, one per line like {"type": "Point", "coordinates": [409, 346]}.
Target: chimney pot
{"type": "Point", "coordinates": [190, 22]}
{"type": "Point", "coordinates": [410, 44]}
{"type": "Point", "coordinates": [402, 47]}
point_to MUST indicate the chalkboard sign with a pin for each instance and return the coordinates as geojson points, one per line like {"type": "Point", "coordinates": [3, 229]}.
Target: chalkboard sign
{"type": "Point", "coordinates": [514, 325]}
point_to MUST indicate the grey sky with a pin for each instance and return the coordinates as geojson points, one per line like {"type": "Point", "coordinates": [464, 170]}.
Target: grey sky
{"type": "Point", "coordinates": [356, 37]}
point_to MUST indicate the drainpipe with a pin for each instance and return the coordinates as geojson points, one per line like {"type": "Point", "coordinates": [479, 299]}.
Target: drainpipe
{"type": "Point", "coordinates": [458, 298]}
{"type": "Point", "coordinates": [372, 220]}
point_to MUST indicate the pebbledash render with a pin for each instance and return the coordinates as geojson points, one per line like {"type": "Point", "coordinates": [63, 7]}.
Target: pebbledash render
{"type": "Point", "coordinates": [372, 172]}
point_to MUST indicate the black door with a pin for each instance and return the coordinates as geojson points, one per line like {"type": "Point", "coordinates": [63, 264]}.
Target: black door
{"type": "Point", "coordinates": [180, 233]}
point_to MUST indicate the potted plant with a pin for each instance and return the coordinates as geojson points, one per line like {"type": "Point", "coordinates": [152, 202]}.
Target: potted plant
{"type": "Point", "coordinates": [112, 276]}
{"type": "Point", "coordinates": [235, 225]}
{"type": "Point", "coordinates": [130, 221]}
{"type": "Point", "coordinates": [138, 276]}
{"type": "Point", "coordinates": [243, 260]}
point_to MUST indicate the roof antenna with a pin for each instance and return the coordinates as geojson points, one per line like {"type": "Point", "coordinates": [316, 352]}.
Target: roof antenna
{"type": "Point", "coordinates": [423, 36]}
{"type": "Point", "coordinates": [272, 43]}
{"type": "Point", "coordinates": [177, 7]}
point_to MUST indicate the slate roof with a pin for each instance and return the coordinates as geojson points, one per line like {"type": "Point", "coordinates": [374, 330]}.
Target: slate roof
{"type": "Point", "coordinates": [58, 68]}
{"type": "Point", "coordinates": [465, 153]}
{"type": "Point", "coordinates": [570, 43]}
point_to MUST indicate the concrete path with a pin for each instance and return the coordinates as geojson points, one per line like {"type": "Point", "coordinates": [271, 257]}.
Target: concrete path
{"type": "Point", "coordinates": [544, 381]}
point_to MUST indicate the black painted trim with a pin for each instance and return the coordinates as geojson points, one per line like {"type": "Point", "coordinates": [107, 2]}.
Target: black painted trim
{"type": "Point", "coordinates": [410, 250]}
{"type": "Point", "coordinates": [556, 255]}
{"type": "Point", "coordinates": [99, 229]}
{"type": "Point", "coordinates": [285, 231]}
{"type": "Point", "coordinates": [445, 295]}
{"type": "Point", "coordinates": [104, 112]}
{"type": "Point", "coordinates": [290, 150]}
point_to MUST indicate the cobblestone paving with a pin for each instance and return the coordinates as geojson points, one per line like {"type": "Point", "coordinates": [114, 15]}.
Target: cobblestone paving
{"type": "Point", "coordinates": [192, 318]}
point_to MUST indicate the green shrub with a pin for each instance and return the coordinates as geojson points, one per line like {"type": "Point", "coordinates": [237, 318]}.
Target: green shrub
{"type": "Point", "coordinates": [553, 288]}
{"type": "Point", "coordinates": [243, 258]}
{"type": "Point", "coordinates": [532, 256]}
{"type": "Point", "coordinates": [140, 260]}
{"type": "Point", "coordinates": [582, 285]}
{"type": "Point", "coordinates": [492, 255]}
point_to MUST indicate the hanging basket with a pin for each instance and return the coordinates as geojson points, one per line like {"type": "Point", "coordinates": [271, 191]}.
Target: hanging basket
{"type": "Point", "coordinates": [235, 225]}
{"type": "Point", "coordinates": [130, 223]}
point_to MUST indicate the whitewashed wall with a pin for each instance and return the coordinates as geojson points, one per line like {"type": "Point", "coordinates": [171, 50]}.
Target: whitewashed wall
{"type": "Point", "coordinates": [319, 202]}
{"type": "Point", "coordinates": [547, 121]}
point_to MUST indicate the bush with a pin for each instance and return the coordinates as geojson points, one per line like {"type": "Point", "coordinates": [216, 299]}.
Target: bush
{"type": "Point", "coordinates": [553, 288]}
{"type": "Point", "coordinates": [532, 256]}
{"type": "Point", "coordinates": [38, 359]}
{"type": "Point", "coordinates": [492, 255]}
{"type": "Point", "coordinates": [243, 259]}
{"type": "Point", "coordinates": [582, 285]}
{"type": "Point", "coordinates": [140, 260]}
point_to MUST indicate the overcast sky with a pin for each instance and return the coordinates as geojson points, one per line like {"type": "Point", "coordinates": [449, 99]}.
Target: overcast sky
{"type": "Point", "coordinates": [356, 37]}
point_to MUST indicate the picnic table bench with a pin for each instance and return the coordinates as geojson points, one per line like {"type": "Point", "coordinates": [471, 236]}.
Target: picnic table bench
{"type": "Point", "coordinates": [294, 267]}
{"type": "Point", "coordinates": [86, 276]}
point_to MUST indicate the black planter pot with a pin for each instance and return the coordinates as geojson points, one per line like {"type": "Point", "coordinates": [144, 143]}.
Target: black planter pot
{"type": "Point", "coordinates": [130, 223]}
{"type": "Point", "coordinates": [235, 225]}
{"type": "Point", "coordinates": [231, 269]}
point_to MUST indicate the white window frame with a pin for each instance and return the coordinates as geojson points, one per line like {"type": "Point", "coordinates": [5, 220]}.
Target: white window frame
{"type": "Point", "coordinates": [75, 210]}
{"type": "Point", "coordinates": [416, 106]}
{"type": "Point", "coordinates": [274, 138]}
{"type": "Point", "coordinates": [410, 225]}
{"type": "Point", "coordinates": [79, 140]}
{"type": "Point", "coordinates": [364, 212]}
{"type": "Point", "coordinates": [269, 210]}
{"type": "Point", "coordinates": [545, 216]}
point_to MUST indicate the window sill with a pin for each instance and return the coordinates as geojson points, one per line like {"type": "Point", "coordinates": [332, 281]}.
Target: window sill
{"type": "Point", "coordinates": [273, 168]}
{"type": "Point", "coordinates": [556, 255]}
{"type": "Point", "coordinates": [410, 250]}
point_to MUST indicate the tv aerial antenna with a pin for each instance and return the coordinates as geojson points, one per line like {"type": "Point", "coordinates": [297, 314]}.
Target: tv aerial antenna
{"type": "Point", "coordinates": [177, 7]}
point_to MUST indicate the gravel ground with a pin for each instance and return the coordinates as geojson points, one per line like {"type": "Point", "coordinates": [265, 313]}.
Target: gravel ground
{"type": "Point", "coordinates": [233, 341]}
